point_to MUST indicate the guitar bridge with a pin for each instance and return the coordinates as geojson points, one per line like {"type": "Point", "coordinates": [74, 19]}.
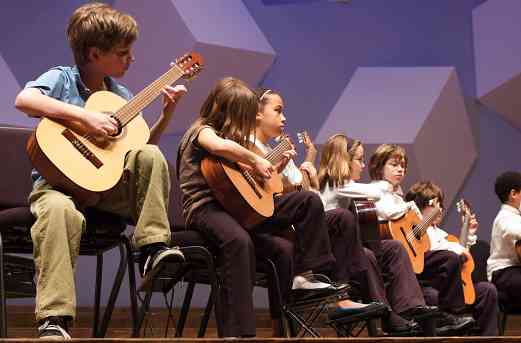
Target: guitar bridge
{"type": "Point", "coordinates": [82, 148]}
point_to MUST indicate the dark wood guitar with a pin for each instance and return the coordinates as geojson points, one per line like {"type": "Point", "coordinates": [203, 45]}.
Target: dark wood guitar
{"type": "Point", "coordinates": [467, 268]}
{"type": "Point", "coordinates": [247, 199]}
{"type": "Point", "coordinates": [410, 231]}
{"type": "Point", "coordinates": [367, 218]}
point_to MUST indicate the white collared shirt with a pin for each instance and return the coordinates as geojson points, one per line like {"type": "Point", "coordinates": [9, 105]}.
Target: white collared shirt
{"type": "Point", "coordinates": [506, 230]}
{"type": "Point", "coordinates": [439, 241]}
{"type": "Point", "coordinates": [389, 205]}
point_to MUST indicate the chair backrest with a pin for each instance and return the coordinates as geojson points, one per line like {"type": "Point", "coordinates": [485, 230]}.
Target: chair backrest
{"type": "Point", "coordinates": [480, 253]}
{"type": "Point", "coordinates": [16, 182]}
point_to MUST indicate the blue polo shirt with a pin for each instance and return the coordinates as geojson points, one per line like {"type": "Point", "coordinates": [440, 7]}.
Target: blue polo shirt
{"type": "Point", "coordinates": [65, 84]}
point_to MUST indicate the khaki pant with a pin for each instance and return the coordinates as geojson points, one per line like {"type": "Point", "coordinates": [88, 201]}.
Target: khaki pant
{"type": "Point", "coordinates": [141, 196]}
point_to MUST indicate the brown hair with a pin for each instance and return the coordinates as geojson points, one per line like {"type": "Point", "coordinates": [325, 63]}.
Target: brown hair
{"type": "Point", "coordinates": [383, 154]}
{"type": "Point", "coordinates": [335, 161]}
{"type": "Point", "coordinates": [98, 25]}
{"type": "Point", "coordinates": [423, 192]}
{"type": "Point", "coordinates": [231, 108]}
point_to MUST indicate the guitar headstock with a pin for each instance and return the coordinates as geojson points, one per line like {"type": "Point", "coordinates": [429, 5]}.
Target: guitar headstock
{"type": "Point", "coordinates": [463, 207]}
{"type": "Point", "coordinates": [302, 136]}
{"type": "Point", "coordinates": [191, 64]}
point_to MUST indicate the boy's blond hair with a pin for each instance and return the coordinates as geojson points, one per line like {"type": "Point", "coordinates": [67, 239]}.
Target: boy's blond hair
{"type": "Point", "coordinates": [98, 25]}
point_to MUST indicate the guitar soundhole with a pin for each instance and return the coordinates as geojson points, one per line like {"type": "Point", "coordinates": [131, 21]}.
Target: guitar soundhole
{"type": "Point", "coordinates": [417, 235]}
{"type": "Point", "coordinates": [120, 126]}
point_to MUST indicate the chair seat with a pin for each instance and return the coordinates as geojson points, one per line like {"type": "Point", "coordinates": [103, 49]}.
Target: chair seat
{"type": "Point", "coordinates": [103, 230]}
{"type": "Point", "coordinates": [19, 277]}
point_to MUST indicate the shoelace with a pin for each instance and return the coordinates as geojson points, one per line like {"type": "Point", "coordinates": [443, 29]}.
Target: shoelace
{"type": "Point", "coordinates": [48, 326]}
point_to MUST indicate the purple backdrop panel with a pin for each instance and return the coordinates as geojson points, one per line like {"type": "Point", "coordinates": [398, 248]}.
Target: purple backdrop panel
{"type": "Point", "coordinates": [10, 87]}
{"type": "Point", "coordinates": [420, 108]}
{"type": "Point", "coordinates": [170, 28]}
{"type": "Point", "coordinates": [496, 33]}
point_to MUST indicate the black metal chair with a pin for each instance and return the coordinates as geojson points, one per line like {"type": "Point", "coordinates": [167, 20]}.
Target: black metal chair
{"type": "Point", "coordinates": [104, 232]}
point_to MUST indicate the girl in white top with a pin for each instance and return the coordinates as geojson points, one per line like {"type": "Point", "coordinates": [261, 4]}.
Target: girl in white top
{"type": "Point", "coordinates": [387, 168]}
{"type": "Point", "coordinates": [341, 166]}
{"type": "Point", "coordinates": [270, 124]}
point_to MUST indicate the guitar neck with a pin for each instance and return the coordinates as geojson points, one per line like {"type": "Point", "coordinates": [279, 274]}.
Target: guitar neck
{"type": "Point", "coordinates": [427, 221]}
{"type": "Point", "coordinates": [275, 155]}
{"type": "Point", "coordinates": [464, 234]}
{"type": "Point", "coordinates": [131, 109]}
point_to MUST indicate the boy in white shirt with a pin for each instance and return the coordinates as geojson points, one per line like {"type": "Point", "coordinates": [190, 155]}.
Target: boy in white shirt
{"type": "Point", "coordinates": [503, 265]}
{"type": "Point", "coordinates": [444, 261]}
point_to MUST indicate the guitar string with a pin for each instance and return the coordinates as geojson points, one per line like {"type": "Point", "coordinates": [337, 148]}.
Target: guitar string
{"type": "Point", "coordinates": [126, 113]}
{"type": "Point", "coordinates": [412, 234]}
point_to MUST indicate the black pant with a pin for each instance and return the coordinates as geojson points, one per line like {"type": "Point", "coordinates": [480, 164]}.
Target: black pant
{"type": "Point", "coordinates": [442, 272]}
{"type": "Point", "coordinates": [236, 252]}
{"type": "Point", "coordinates": [390, 266]}
{"type": "Point", "coordinates": [484, 309]}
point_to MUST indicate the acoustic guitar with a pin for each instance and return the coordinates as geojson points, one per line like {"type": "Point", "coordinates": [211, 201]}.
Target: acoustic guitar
{"type": "Point", "coordinates": [410, 230]}
{"type": "Point", "coordinates": [82, 166]}
{"type": "Point", "coordinates": [467, 268]}
{"type": "Point", "coordinates": [367, 218]}
{"type": "Point", "coordinates": [245, 197]}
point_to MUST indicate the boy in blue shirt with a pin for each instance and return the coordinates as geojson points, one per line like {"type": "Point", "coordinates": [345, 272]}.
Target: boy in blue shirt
{"type": "Point", "coordinates": [101, 39]}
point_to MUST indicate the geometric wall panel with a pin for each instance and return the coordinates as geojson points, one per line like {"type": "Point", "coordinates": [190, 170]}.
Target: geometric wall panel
{"type": "Point", "coordinates": [9, 115]}
{"type": "Point", "coordinates": [222, 31]}
{"type": "Point", "coordinates": [497, 29]}
{"type": "Point", "coordinates": [420, 108]}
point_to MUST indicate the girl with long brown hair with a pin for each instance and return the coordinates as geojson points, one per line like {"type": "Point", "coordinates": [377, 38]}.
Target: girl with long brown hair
{"type": "Point", "coordinates": [226, 128]}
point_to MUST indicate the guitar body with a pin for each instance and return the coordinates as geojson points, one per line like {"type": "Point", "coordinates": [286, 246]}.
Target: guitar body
{"type": "Point", "coordinates": [248, 205]}
{"type": "Point", "coordinates": [466, 275]}
{"type": "Point", "coordinates": [61, 162]}
{"type": "Point", "coordinates": [402, 230]}
{"type": "Point", "coordinates": [367, 218]}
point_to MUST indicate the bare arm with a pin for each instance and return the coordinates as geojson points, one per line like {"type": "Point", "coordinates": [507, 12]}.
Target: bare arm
{"type": "Point", "coordinates": [171, 96]}
{"type": "Point", "coordinates": [233, 151]}
{"type": "Point", "coordinates": [36, 104]}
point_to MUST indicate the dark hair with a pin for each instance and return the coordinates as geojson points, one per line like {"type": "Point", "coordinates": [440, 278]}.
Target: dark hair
{"type": "Point", "coordinates": [263, 96]}
{"type": "Point", "coordinates": [231, 109]}
{"type": "Point", "coordinates": [505, 183]}
{"type": "Point", "coordinates": [423, 192]}
{"type": "Point", "coordinates": [383, 154]}
{"type": "Point", "coordinates": [98, 25]}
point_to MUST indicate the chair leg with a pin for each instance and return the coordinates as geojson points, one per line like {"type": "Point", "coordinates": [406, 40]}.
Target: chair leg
{"type": "Point", "coordinates": [97, 293]}
{"type": "Point", "coordinates": [502, 322]}
{"type": "Point", "coordinates": [3, 304]}
{"type": "Point", "coordinates": [143, 312]}
{"type": "Point", "coordinates": [132, 287]}
{"type": "Point", "coordinates": [207, 312]}
{"type": "Point", "coordinates": [184, 310]}
{"type": "Point", "coordinates": [107, 315]}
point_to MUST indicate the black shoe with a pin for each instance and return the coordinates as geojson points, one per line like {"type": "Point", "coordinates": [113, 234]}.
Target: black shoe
{"type": "Point", "coordinates": [398, 326]}
{"type": "Point", "coordinates": [367, 310]}
{"type": "Point", "coordinates": [419, 312]}
{"type": "Point", "coordinates": [450, 325]}
{"type": "Point", "coordinates": [54, 328]}
{"type": "Point", "coordinates": [154, 257]}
